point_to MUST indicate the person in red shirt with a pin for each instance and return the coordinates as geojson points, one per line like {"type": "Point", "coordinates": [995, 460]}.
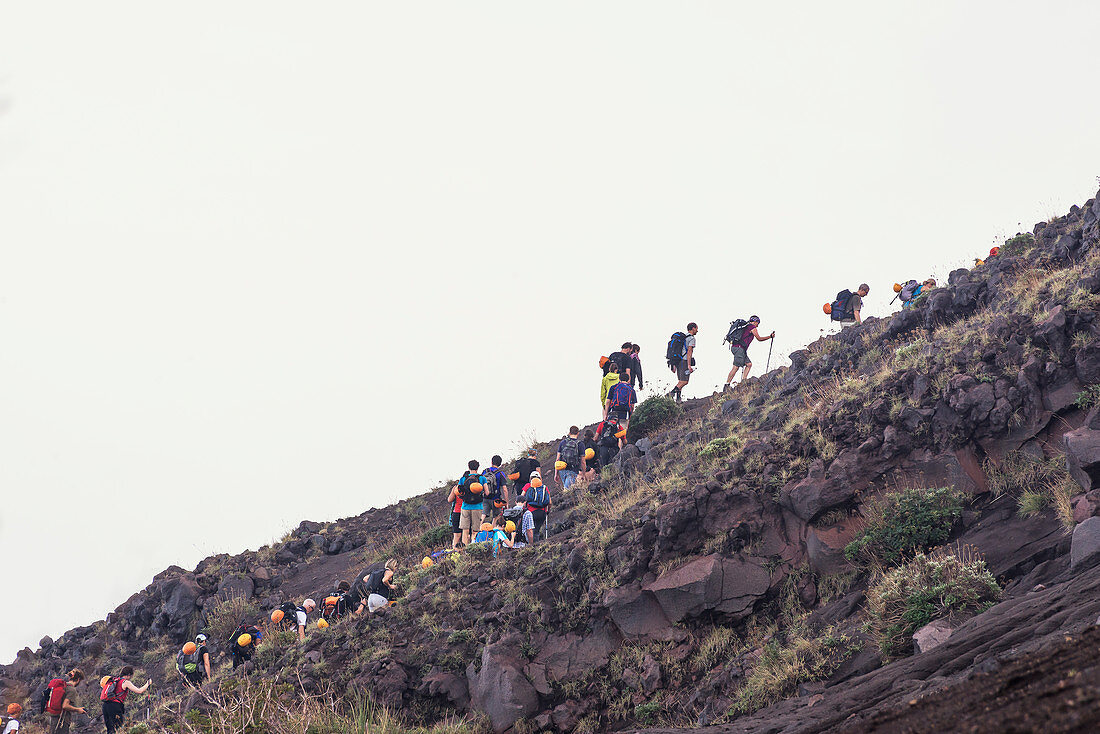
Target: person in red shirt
{"type": "Point", "coordinates": [456, 517]}
{"type": "Point", "coordinates": [740, 350]}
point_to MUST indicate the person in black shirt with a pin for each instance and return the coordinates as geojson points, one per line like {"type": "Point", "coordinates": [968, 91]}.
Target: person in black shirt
{"type": "Point", "coordinates": [635, 366]}
{"type": "Point", "coordinates": [592, 464]}
{"type": "Point", "coordinates": [621, 358]}
{"type": "Point", "coordinates": [524, 467]}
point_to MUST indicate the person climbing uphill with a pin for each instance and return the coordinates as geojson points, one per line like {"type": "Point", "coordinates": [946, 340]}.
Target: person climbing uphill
{"type": "Point", "coordinates": [193, 662]}
{"type": "Point", "coordinates": [61, 702]}
{"type": "Point", "coordinates": [114, 695]}
{"type": "Point", "coordinates": [909, 295]}
{"type": "Point", "coordinates": [522, 472]}
{"type": "Point", "coordinates": [379, 586]}
{"type": "Point", "coordinates": [537, 501]}
{"type": "Point", "coordinates": [469, 489]}
{"type": "Point", "coordinates": [621, 400]}
{"type": "Point", "coordinates": [591, 449]}
{"type": "Point", "coordinates": [847, 306]}
{"type": "Point", "coordinates": [504, 534]}
{"type": "Point", "coordinates": [608, 442]}
{"type": "Point", "coordinates": [610, 379]}
{"type": "Point", "coordinates": [15, 710]}
{"type": "Point", "coordinates": [454, 499]}
{"type": "Point", "coordinates": [571, 453]}
{"type": "Point", "coordinates": [681, 358]}
{"type": "Point", "coordinates": [740, 336]}
{"type": "Point", "coordinates": [495, 496]}
{"type": "Point", "coordinates": [294, 618]}
{"type": "Point", "coordinates": [636, 366]}
{"type": "Point", "coordinates": [621, 358]}
{"type": "Point", "coordinates": [301, 615]}
{"type": "Point", "coordinates": [242, 643]}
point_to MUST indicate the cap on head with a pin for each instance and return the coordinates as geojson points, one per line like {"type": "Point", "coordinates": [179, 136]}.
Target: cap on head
{"type": "Point", "coordinates": [200, 638]}
{"type": "Point", "coordinates": [754, 319]}
{"type": "Point", "coordinates": [535, 473]}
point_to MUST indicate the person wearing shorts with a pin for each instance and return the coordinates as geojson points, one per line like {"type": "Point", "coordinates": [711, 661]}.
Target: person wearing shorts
{"type": "Point", "coordinates": [456, 515]}
{"type": "Point", "coordinates": [685, 368]}
{"type": "Point", "coordinates": [740, 350]}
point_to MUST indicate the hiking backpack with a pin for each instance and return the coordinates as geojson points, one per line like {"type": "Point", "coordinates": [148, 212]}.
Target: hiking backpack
{"type": "Point", "coordinates": [737, 330]}
{"type": "Point", "coordinates": [537, 497]}
{"type": "Point", "coordinates": [841, 307]}
{"type": "Point", "coordinates": [607, 433]}
{"type": "Point", "coordinates": [909, 290]}
{"type": "Point", "coordinates": [187, 664]}
{"type": "Point", "coordinates": [333, 607]}
{"type": "Point", "coordinates": [464, 491]}
{"type": "Point", "coordinates": [52, 697]}
{"type": "Point", "coordinates": [113, 691]}
{"type": "Point", "coordinates": [619, 399]}
{"type": "Point", "coordinates": [674, 354]}
{"type": "Point", "coordinates": [571, 450]}
{"type": "Point", "coordinates": [244, 629]}
{"type": "Point", "coordinates": [494, 490]}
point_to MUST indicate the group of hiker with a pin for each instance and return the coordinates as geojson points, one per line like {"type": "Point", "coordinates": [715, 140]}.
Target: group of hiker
{"type": "Point", "coordinates": [60, 701]}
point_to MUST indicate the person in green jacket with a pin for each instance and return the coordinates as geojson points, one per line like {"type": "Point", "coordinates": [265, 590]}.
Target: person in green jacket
{"type": "Point", "coordinates": [609, 381]}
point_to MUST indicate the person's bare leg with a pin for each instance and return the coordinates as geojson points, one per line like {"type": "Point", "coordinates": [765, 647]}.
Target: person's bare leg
{"type": "Point", "coordinates": [745, 375]}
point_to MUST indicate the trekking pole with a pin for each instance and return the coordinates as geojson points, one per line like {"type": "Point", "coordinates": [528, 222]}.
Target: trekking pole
{"type": "Point", "coordinates": [771, 343]}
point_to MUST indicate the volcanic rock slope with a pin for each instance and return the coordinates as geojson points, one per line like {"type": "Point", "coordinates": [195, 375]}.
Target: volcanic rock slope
{"type": "Point", "coordinates": [702, 581]}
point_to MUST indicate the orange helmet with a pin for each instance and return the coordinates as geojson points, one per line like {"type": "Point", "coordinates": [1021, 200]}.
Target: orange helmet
{"type": "Point", "coordinates": [475, 487]}
{"type": "Point", "coordinates": [277, 616]}
{"type": "Point", "coordinates": [827, 308]}
{"type": "Point", "coordinates": [189, 648]}
{"type": "Point", "coordinates": [536, 482]}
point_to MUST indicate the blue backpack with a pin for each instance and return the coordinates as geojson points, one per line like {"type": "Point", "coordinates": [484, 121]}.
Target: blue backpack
{"type": "Point", "coordinates": [674, 354]}
{"type": "Point", "coordinates": [619, 397]}
{"type": "Point", "coordinates": [537, 497]}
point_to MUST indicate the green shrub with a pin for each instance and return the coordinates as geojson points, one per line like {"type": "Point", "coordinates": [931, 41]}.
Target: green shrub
{"type": "Point", "coordinates": [1018, 245]}
{"type": "Point", "coordinates": [927, 588]}
{"type": "Point", "coordinates": [436, 536]}
{"type": "Point", "coordinates": [787, 663]}
{"type": "Point", "coordinates": [647, 712]}
{"type": "Point", "coordinates": [718, 447]}
{"type": "Point", "coordinates": [460, 637]}
{"type": "Point", "coordinates": [1088, 397]}
{"type": "Point", "coordinates": [138, 729]}
{"type": "Point", "coordinates": [903, 522]}
{"type": "Point", "coordinates": [652, 415]}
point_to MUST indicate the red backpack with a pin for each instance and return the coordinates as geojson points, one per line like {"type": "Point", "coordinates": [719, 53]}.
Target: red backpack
{"type": "Point", "coordinates": [57, 696]}
{"type": "Point", "coordinates": [113, 691]}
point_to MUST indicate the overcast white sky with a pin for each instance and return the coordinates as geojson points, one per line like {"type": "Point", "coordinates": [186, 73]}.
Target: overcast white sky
{"type": "Point", "coordinates": [263, 261]}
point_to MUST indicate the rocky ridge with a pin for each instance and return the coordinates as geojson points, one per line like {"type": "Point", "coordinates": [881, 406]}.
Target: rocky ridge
{"type": "Point", "coordinates": [672, 581]}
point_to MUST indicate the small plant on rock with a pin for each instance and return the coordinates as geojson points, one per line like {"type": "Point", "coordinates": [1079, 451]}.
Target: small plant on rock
{"type": "Point", "coordinates": [927, 588]}
{"type": "Point", "coordinates": [900, 523]}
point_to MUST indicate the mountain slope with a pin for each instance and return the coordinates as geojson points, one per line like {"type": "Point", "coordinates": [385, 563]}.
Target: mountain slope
{"type": "Point", "coordinates": [703, 580]}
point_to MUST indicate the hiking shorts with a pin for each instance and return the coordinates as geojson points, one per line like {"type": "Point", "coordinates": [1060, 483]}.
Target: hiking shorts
{"type": "Point", "coordinates": [740, 356]}
{"type": "Point", "coordinates": [470, 520]}
{"type": "Point", "coordinates": [455, 527]}
{"type": "Point", "coordinates": [683, 371]}
{"type": "Point", "coordinates": [376, 602]}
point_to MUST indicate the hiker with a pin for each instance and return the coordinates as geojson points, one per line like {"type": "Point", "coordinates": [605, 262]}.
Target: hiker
{"type": "Point", "coordinates": [504, 534]}
{"type": "Point", "coordinates": [847, 306]}
{"type": "Point", "coordinates": [193, 662]}
{"type": "Point", "coordinates": [681, 359]}
{"type": "Point", "coordinates": [379, 586]}
{"type": "Point", "coordinates": [911, 290]}
{"type": "Point", "coordinates": [301, 616]}
{"type": "Point", "coordinates": [242, 643]}
{"type": "Point", "coordinates": [635, 366]}
{"type": "Point", "coordinates": [495, 496]}
{"type": "Point", "coordinates": [114, 695]}
{"type": "Point", "coordinates": [621, 400]}
{"type": "Point", "coordinates": [61, 701]}
{"type": "Point", "coordinates": [455, 501]}
{"type": "Point", "coordinates": [740, 336]}
{"type": "Point", "coordinates": [14, 712]}
{"type": "Point", "coordinates": [334, 606]}
{"type": "Point", "coordinates": [608, 442]}
{"type": "Point", "coordinates": [469, 490]}
{"type": "Point", "coordinates": [570, 451]}
{"type": "Point", "coordinates": [522, 472]}
{"type": "Point", "coordinates": [591, 465]}
{"type": "Point", "coordinates": [610, 379]}
{"type": "Point", "coordinates": [621, 358]}
{"type": "Point", "coordinates": [537, 500]}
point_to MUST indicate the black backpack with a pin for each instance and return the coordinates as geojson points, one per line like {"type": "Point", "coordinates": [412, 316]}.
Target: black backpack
{"type": "Point", "coordinates": [674, 354]}
{"type": "Point", "coordinates": [841, 307]}
{"type": "Point", "coordinates": [244, 629]}
{"type": "Point", "coordinates": [607, 435]}
{"type": "Point", "coordinates": [737, 330]}
{"type": "Point", "coordinates": [468, 495]}
{"type": "Point", "coordinates": [571, 449]}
